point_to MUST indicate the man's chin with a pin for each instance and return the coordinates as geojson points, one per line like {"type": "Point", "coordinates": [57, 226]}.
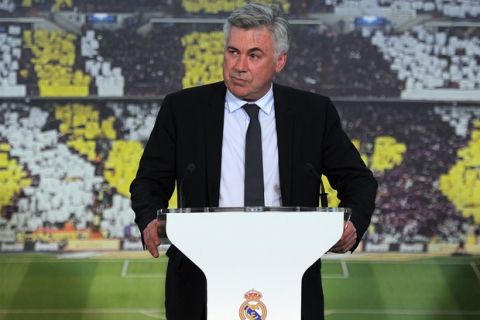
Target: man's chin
{"type": "Point", "coordinates": [239, 92]}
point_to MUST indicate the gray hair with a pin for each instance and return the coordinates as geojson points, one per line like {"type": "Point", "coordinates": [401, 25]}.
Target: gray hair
{"type": "Point", "coordinates": [256, 15]}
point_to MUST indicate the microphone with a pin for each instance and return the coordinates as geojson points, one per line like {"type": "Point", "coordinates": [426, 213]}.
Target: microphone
{"type": "Point", "coordinates": [323, 195]}
{"type": "Point", "coordinates": [189, 169]}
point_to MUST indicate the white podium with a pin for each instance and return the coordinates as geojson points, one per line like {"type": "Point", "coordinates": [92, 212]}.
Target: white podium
{"type": "Point", "coordinates": [254, 258]}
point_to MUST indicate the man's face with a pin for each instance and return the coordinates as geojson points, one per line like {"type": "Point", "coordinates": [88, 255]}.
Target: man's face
{"type": "Point", "coordinates": [249, 62]}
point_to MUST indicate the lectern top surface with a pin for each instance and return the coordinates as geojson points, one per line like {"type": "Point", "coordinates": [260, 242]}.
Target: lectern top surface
{"type": "Point", "coordinates": [164, 212]}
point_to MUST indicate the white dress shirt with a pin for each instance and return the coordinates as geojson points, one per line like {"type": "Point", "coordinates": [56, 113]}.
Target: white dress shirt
{"type": "Point", "coordinates": [232, 178]}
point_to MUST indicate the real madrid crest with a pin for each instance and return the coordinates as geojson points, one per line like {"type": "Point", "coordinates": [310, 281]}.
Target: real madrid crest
{"type": "Point", "coordinates": [253, 308]}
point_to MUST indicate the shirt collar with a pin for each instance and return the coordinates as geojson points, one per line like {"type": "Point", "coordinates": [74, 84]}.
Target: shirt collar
{"type": "Point", "coordinates": [265, 103]}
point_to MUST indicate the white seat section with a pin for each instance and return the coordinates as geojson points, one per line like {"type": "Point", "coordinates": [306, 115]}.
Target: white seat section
{"type": "Point", "coordinates": [65, 181]}
{"type": "Point", "coordinates": [56, 196]}
{"type": "Point", "coordinates": [108, 78]}
{"type": "Point", "coordinates": [430, 60]}
{"type": "Point", "coordinates": [10, 54]}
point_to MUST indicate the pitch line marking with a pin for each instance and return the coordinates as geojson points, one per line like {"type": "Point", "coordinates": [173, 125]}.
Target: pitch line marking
{"type": "Point", "coordinates": [160, 260]}
{"type": "Point", "coordinates": [125, 273]}
{"type": "Point", "coordinates": [153, 315]}
{"type": "Point", "coordinates": [82, 311]}
{"type": "Point", "coordinates": [457, 263]}
{"type": "Point", "coordinates": [20, 261]}
{"type": "Point", "coordinates": [125, 269]}
{"type": "Point", "coordinates": [345, 273]}
{"type": "Point", "coordinates": [406, 312]}
{"type": "Point", "coordinates": [160, 314]}
{"type": "Point", "coordinates": [475, 269]}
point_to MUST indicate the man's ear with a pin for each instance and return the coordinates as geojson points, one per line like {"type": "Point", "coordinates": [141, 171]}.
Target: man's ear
{"type": "Point", "coordinates": [281, 62]}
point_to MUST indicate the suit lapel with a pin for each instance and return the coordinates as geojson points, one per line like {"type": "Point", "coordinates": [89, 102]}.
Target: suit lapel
{"type": "Point", "coordinates": [285, 120]}
{"type": "Point", "coordinates": [214, 134]}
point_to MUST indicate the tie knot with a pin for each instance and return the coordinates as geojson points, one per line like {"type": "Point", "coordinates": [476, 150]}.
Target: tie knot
{"type": "Point", "coordinates": [252, 110]}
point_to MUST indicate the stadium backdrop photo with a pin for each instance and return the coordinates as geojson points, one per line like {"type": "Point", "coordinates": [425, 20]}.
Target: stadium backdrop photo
{"type": "Point", "coordinates": [81, 84]}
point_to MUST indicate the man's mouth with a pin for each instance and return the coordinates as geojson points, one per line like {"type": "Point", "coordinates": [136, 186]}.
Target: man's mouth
{"type": "Point", "coordinates": [238, 81]}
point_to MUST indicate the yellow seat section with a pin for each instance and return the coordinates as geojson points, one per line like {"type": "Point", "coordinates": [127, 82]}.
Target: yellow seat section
{"type": "Point", "coordinates": [122, 164]}
{"type": "Point", "coordinates": [82, 125]}
{"type": "Point", "coordinates": [84, 147]}
{"type": "Point", "coordinates": [54, 63]}
{"type": "Point", "coordinates": [461, 185]}
{"type": "Point", "coordinates": [62, 4]}
{"type": "Point", "coordinates": [215, 6]}
{"type": "Point", "coordinates": [471, 239]}
{"type": "Point", "coordinates": [332, 198]}
{"type": "Point", "coordinates": [387, 153]}
{"type": "Point", "coordinates": [4, 147]}
{"type": "Point", "coordinates": [3, 160]}
{"type": "Point", "coordinates": [12, 177]}
{"type": "Point", "coordinates": [121, 167]}
{"type": "Point", "coordinates": [107, 128]}
{"type": "Point", "coordinates": [202, 58]}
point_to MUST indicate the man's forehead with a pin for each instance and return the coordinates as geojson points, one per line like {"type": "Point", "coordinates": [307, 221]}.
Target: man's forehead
{"type": "Point", "coordinates": [256, 35]}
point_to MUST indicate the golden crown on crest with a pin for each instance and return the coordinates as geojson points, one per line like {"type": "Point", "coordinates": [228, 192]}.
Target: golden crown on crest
{"type": "Point", "coordinates": [252, 295]}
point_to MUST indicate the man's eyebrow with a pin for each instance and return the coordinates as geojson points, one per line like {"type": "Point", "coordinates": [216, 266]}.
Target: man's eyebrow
{"type": "Point", "coordinates": [249, 50]}
{"type": "Point", "coordinates": [254, 49]}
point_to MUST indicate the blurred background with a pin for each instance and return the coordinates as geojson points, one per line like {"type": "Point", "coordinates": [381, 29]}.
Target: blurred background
{"type": "Point", "coordinates": [81, 83]}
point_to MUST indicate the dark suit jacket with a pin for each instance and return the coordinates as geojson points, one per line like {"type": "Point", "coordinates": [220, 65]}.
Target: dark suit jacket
{"type": "Point", "coordinates": [189, 129]}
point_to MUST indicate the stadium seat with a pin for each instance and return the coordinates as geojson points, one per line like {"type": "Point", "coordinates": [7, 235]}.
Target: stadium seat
{"type": "Point", "coordinates": [54, 63]}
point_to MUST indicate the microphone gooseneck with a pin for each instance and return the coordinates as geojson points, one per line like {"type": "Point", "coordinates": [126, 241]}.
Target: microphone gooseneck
{"type": "Point", "coordinates": [323, 195]}
{"type": "Point", "coordinates": [189, 169]}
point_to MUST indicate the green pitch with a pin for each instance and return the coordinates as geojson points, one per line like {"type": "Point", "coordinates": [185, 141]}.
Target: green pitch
{"type": "Point", "coordinates": [37, 287]}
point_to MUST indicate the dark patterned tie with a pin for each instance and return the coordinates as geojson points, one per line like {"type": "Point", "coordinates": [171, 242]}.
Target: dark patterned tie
{"type": "Point", "coordinates": [253, 159]}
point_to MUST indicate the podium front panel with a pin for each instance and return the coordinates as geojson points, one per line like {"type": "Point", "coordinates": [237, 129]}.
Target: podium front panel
{"type": "Point", "coordinates": [254, 260]}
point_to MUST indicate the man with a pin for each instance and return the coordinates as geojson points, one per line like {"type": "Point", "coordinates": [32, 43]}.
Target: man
{"type": "Point", "coordinates": [205, 133]}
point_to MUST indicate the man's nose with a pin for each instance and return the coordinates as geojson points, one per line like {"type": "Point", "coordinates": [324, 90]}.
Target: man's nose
{"type": "Point", "coordinates": [241, 64]}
